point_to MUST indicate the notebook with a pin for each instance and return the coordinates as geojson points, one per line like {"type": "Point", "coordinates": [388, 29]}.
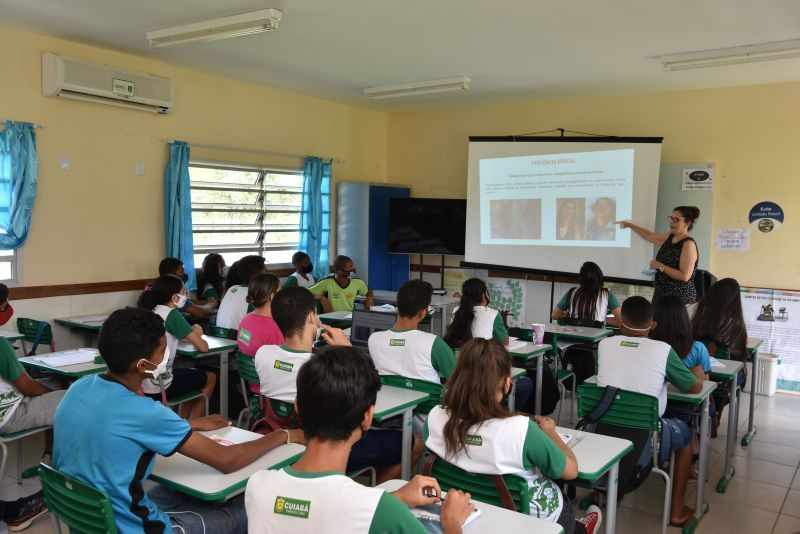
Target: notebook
{"type": "Point", "coordinates": [68, 357]}
{"type": "Point", "coordinates": [429, 516]}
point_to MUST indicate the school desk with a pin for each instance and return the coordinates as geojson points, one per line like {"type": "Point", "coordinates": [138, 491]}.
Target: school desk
{"type": "Point", "coordinates": [394, 401]}
{"type": "Point", "coordinates": [752, 347]}
{"type": "Point", "coordinates": [729, 373]}
{"type": "Point", "coordinates": [217, 346]}
{"type": "Point", "coordinates": [527, 353]}
{"type": "Point", "coordinates": [72, 372]}
{"type": "Point", "coordinates": [88, 325]}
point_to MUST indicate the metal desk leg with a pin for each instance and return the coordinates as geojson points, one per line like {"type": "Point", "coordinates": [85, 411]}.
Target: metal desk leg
{"type": "Point", "coordinates": [223, 384]}
{"type": "Point", "coordinates": [751, 427]}
{"type": "Point", "coordinates": [405, 462]}
{"type": "Point", "coordinates": [733, 413]}
{"type": "Point", "coordinates": [539, 372]}
{"type": "Point", "coordinates": [700, 506]}
{"type": "Point", "coordinates": [611, 500]}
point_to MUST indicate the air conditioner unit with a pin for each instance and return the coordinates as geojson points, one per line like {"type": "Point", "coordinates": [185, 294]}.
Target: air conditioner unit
{"type": "Point", "coordinates": [76, 79]}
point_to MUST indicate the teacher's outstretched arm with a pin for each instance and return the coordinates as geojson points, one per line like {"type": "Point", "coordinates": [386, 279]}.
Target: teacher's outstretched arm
{"type": "Point", "coordinates": [644, 233]}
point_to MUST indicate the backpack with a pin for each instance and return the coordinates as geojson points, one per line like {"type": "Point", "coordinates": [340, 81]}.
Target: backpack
{"type": "Point", "coordinates": [550, 395]}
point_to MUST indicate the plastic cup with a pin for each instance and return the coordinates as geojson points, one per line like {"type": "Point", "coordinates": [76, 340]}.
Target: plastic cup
{"type": "Point", "coordinates": [538, 333]}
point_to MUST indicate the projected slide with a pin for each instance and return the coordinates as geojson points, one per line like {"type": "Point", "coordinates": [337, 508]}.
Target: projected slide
{"type": "Point", "coordinates": [567, 199]}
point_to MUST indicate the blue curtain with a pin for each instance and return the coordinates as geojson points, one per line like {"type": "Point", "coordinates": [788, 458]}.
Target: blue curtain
{"type": "Point", "coordinates": [178, 209]}
{"type": "Point", "coordinates": [315, 219]}
{"type": "Point", "coordinates": [19, 169]}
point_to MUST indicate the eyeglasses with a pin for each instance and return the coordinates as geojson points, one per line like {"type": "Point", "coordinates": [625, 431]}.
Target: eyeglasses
{"type": "Point", "coordinates": [675, 220]}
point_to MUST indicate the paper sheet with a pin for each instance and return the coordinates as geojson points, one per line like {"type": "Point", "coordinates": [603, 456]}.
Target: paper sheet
{"type": "Point", "coordinates": [515, 345]}
{"type": "Point", "coordinates": [715, 363]}
{"type": "Point", "coordinates": [69, 357]}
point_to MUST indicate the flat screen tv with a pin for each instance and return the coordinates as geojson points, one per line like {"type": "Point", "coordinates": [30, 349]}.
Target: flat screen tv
{"type": "Point", "coordinates": [427, 225]}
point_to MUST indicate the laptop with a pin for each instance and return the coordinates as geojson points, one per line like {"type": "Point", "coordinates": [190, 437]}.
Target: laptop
{"type": "Point", "coordinates": [366, 322]}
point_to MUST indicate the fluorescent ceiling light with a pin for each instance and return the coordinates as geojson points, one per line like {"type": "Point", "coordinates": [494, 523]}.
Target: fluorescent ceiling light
{"type": "Point", "coordinates": [732, 56]}
{"type": "Point", "coordinates": [418, 88]}
{"type": "Point", "coordinates": [263, 20]}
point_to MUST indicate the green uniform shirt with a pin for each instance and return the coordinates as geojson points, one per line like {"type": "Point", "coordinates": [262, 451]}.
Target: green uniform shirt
{"type": "Point", "coordinates": [210, 292]}
{"type": "Point", "coordinates": [499, 330]}
{"type": "Point", "coordinates": [177, 325]}
{"type": "Point", "coordinates": [10, 368]}
{"type": "Point", "coordinates": [678, 374]}
{"type": "Point", "coordinates": [341, 298]}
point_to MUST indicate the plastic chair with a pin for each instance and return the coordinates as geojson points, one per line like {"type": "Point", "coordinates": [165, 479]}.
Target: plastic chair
{"type": "Point", "coordinates": [35, 332]}
{"type": "Point", "coordinates": [180, 399]}
{"type": "Point", "coordinates": [637, 411]}
{"type": "Point", "coordinates": [17, 436]}
{"type": "Point", "coordinates": [248, 376]}
{"type": "Point", "coordinates": [82, 507]}
{"type": "Point", "coordinates": [508, 491]}
{"type": "Point", "coordinates": [219, 331]}
{"type": "Point", "coordinates": [434, 390]}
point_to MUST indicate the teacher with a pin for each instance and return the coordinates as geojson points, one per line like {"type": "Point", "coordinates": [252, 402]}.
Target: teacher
{"type": "Point", "coordinates": [676, 261]}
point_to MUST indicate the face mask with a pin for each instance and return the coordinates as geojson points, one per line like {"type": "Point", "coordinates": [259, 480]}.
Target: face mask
{"type": "Point", "coordinates": [161, 368]}
{"type": "Point", "coordinates": [224, 271]}
{"type": "Point", "coordinates": [184, 278]}
{"type": "Point", "coordinates": [351, 274]}
{"type": "Point", "coordinates": [308, 269]}
{"type": "Point", "coordinates": [181, 301]}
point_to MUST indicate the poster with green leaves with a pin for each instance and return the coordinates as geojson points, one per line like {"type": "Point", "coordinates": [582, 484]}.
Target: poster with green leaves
{"type": "Point", "coordinates": [508, 294]}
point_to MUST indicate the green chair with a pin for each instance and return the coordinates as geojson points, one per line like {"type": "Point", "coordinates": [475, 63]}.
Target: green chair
{"type": "Point", "coordinates": [636, 411]}
{"type": "Point", "coordinates": [248, 376]}
{"type": "Point", "coordinates": [219, 331]}
{"type": "Point", "coordinates": [180, 399]}
{"type": "Point", "coordinates": [434, 390]}
{"type": "Point", "coordinates": [17, 436]}
{"type": "Point", "coordinates": [508, 491]}
{"type": "Point", "coordinates": [35, 332]}
{"type": "Point", "coordinates": [82, 507]}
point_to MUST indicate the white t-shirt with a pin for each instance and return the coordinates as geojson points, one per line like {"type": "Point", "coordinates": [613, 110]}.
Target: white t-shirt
{"type": "Point", "coordinates": [601, 307]}
{"type": "Point", "coordinates": [514, 445]}
{"type": "Point", "coordinates": [172, 320]}
{"type": "Point", "coordinates": [302, 282]}
{"type": "Point", "coordinates": [233, 308]}
{"type": "Point", "coordinates": [483, 323]}
{"type": "Point", "coordinates": [9, 400]}
{"type": "Point", "coordinates": [408, 353]}
{"type": "Point", "coordinates": [286, 501]}
{"type": "Point", "coordinates": [634, 363]}
{"type": "Point", "coordinates": [277, 369]}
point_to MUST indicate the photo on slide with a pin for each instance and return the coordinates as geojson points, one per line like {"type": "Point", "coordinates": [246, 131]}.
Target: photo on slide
{"type": "Point", "coordinates": [601, 212]}
{"type": "Point", "coordinates": [570, 218]}
{"type": "Point", "coordinates": [516, 219]}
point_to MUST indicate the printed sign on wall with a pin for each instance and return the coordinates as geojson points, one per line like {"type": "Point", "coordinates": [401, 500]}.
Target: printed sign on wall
{"type": "Point", "coordinates": [766, 217]}
{"type": "Point", "coordinates": [697, 179]}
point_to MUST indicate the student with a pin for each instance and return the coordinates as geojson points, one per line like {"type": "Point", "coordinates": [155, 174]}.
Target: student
{"type": "Point", "coordinates": [174, 267]}
{"type": "Point", "coordinates": [108, 436]}
{"type": "Point", "coordinates": [673, 328]}
{"type": "Point", "coordinates": [302, 271]}
{"type": "Point", "coordinates": [19, 514]}
{"type": "Point", "coordinates": [165, 297]}
{"type": "Point", "coordinates": [590, 301]}
{"type": "Point", "coordinates": [336, 392]}
{"type": "Point", "coordinates": [232, 277]}
{"type": "Point", "coordinates": [211, 279]}
{"type": "Point", "coordinates": [234, 305]}
{"type": "Point", "coordinates": [24, 402]}
{"type": "Point", "coordinates": [338, 291]}
{"type": "Point", "coordinates": [633, 362]}
{"type": "Point", "coordinates": [406, 351]}
{"type": "Point", "coordinates": [473, 431]}
{"type": "Point", "coordinates": [6, 311]}
{"type": "Point", "coordinates": [278, 366]}
{"type": "Point", "coordinates": [258, 328]}
{"type": "Point", "coordinates": [474, 317]}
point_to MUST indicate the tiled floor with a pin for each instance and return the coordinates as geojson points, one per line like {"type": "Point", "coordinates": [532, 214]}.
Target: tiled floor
{"type": "Point", "coordinates": [762, 498]}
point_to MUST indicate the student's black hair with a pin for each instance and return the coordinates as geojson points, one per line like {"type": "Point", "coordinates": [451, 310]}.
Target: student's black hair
{"type": "Point", "coordinates": [689, 213]}
{"type": "Point", "coordinates": [637, 312]}
{"type": "Point", "coordinates": [233, 278]}
{"type": "Point", "coordinates": [128, 335]}
{"type": "Point", "coordinates": [160, 291]}
{"type": "Point", "coordinates": [584, 299]}
{"type": "Point", "coordinates": [210, 274]}
{"type": "Point", "coordinates": [290, 308]}
{"type": "Point", "coordinates": [672, 324]}
{"type": "Point", "coordinates": [719, 318]}
{"type": "Point", "coordinates": [3, 293]}
{"type": "Point", "coordinates": [339, 261]}
{"type": "Point", "coordinates": [334, 390]}
{"type": "Point", "coordinates": [248, 267]}
{"type": "Point", "coordinates": [169, 266]}
{"type": "Point", "coordinates": [299, 256]}
{"type": "Point", "coordinates": [261, 288]}
{"type": "Point", "coordinates": [460, 330]}
{"type": "Point", "coordinates": [413, 296]}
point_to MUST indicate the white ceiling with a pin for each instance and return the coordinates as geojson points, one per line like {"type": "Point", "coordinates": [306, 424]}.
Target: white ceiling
{"type": "Point", "coordinates": [510, 48]}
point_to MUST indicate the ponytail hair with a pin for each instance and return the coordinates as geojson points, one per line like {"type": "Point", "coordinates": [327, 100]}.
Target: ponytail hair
{"type": "Point", "coordinates": [583, 303]}
{"type": "Point", "coordinates": [460, 330]}
{"type": "Point", "coordinates": [689, 213]}
{"type": "Point", "coordinates": [160, 291]}
{"type": "Point", "coordinates": [261, 288]}
{"type": "Point", "coordinates": [470, 396]}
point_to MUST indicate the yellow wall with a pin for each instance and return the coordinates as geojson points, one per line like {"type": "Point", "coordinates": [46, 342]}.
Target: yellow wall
{"type": "Point", "coordinates": [101, 222]}
{"type": "Point", "coordinates": [750, 133]}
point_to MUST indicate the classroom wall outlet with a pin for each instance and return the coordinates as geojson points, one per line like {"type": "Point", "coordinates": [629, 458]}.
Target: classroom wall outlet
{"type": "Point", "coordinates": [65, 162]}
{"type": "Point", "coordinates": [139, 168]}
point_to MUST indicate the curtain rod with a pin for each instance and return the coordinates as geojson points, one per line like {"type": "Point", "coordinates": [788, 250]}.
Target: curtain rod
{"type": "Point", "coordinates": [9, 120]}
{"type": "Point", "coordinates": [254, 151]}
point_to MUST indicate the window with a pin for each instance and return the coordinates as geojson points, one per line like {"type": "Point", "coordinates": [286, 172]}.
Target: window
{"type": "Point", "coordinates": [241, 211]}
{"type": "Point", "coordinates": [8, 266]}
